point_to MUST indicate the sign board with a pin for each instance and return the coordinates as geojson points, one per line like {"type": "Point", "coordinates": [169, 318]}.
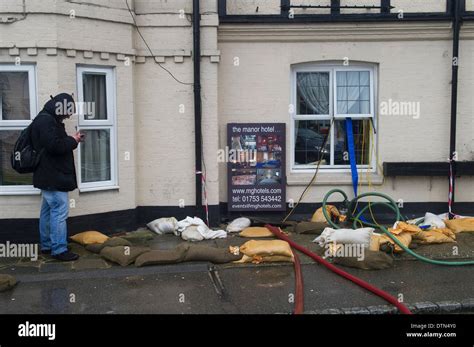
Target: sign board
{"type": "Point", "coordinates": [256, 177]}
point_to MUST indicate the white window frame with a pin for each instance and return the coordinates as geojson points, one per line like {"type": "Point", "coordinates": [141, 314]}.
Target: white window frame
{"type": "Point", "coordinates": [354, 116]}
{"type": "Point", "coordinates": [332, 70]}
{"type": "Point", "coordinates": [30, 69]}
{"type": "Point", "coordinates": [21, 124]}
{"type": "Point", "coordinates": [94, 124]}
{"type": "Point", "coordinates": [110, 90]}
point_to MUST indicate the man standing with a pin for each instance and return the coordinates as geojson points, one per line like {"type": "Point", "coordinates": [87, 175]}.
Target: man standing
{"type": "Point", "coordinates": [55, 174]}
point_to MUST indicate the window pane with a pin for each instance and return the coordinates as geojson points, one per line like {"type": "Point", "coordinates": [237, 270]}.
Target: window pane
{"type": "Point", "coordinates": [14, 96]}
{"type": "Point", "coordinates": [342, 107]}
{"type": "Point", "coordinates": [341, 78]}
{"type": "Point", "coordinates": [95, 156]}
{"type": "Point", "coordinates": [364, 78]}
{"type": "Point", "coordinates": [362, 144]}
{"type": "Point", "coordinates": [8, 176]}
{"type": "Point", "coordinates": [353, 87]}
{"type": "Point", "coordinates": [310, 136]}
{"type": "Point", "coordinates": [364, 107]}
{"type": "Point", "coordinates": [353, 93]}
{"type": "Point", "coordinates": [312, 93]}
{"type": "Point", "coordinates": [365, 93]}
{"type": "Point", "coordinates": [95, 96]}
{"type": "Point", "coordinates": [353, 78]}
{"type": "Point", "coordinates": [341, 93]}
{"type": "Point", "coordinates": [353, 107]}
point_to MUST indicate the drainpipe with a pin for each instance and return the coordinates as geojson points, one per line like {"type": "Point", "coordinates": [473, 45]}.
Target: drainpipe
{"type": "Point", "coordinates": [197, 104]}
{"type": "Point", "coordinates": [456, 11]}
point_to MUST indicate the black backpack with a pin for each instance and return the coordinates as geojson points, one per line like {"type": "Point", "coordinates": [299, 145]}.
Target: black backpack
{"type": "Point", "coordinates": [25, 158]}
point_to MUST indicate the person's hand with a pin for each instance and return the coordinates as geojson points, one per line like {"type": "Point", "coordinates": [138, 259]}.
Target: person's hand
{"type": "Point", "coordinates": [79, 137]}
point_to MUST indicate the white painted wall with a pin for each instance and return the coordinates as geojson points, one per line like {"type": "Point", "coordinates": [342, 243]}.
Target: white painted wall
{"type": "Point", "coordinates": [159, 138]}
{"type": "Point", "coordinates": [413, 61]}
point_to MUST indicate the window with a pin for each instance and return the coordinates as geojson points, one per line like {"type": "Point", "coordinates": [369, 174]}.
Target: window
{"type": "Point", "coordinates": [96, 112]}
{"type": "Point", "coordinates": [17, 108]}
{"type": "Point", "coordinates": [322, 93]}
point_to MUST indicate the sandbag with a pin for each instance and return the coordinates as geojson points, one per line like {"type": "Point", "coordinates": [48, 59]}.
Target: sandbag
{"type": "Point", "coordinates": [374, 244]}
{"type": "Point", "coordinates": [345, 236]}
{"type": "Point", "coordinates": [122, 255]}
{"type": "Point", "coordinates": [188, 221]}
{"type": "Point", "coordinates": [238, 224]}
{"type": "Point", "coordinates": [211, 234]}
{"type": "Point", "coordinates": [89, 237]}
{"type": "Point", "coordinates": [187, 252]}
{"type": "Point", "coordinates": [435, 236]}
{"type": "Point", "coordinates": [372, 260]}
{"type": "Point", "coordinates": [404, 237]}
{"type": "Point", "coordinates": [194, 229]}
{"type": "Point", "coordinates": [7, 282]}
{"type": "Point", "coordinates": [318, 216]}
{"type": "Point", "coordinates": [116, 241]}
{"type": "Point", "coordinates": [256, 232]}
{"type": "Point", "coordinates": [95, 247]}
{"type": "Point", "coordinates": [446, 231]}
{"type": "Point", "coordinates": [112, 242]}
{"type": "Point", "coordinates": [191, 233]}
{"type": "Point", "coordinates": [211, 254]}
{"type": "Point", "coordinates": [163, 225]}
{"type": "Point", "coordinates": [433, 220]}
{"type": "Point", "coordinates": [264, 259]}
{"type": "Point", "coordinates": [401, 227]}
{"type": "Point", "coordinates": [266, 247]}
{"type": "Point", "coordinates": [162, 257]}
{"type": "Point", "coordinates": [460, 225]}
{"type": "Point", "coordinates": [310, 227]}
{"type": "Point", "coordinates": [139, 235]}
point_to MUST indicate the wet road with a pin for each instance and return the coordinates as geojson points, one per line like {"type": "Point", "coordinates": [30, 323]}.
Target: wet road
{"type": "Point", "coordinates": [192, 288]}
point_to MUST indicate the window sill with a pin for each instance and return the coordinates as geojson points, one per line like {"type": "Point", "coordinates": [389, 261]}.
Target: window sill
{"type": "Point", "coordinates": [20, 192]}
{"type": "Point", "coordinates": [98, 189]}
{"type": "Point", "coordinates": [327, 178]}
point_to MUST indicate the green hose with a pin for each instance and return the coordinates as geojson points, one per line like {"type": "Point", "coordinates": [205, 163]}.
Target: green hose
{"type": "Point", "coordinates": [357, 219]}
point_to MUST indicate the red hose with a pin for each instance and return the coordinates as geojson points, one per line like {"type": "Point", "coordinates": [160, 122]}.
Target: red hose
{"type": "Point", "coordinates": [299, 293]}
{"type": "Point", "coordinates": [384, 295]}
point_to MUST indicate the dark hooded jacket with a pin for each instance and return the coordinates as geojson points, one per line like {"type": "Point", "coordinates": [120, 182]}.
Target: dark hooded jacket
{"type": "Point", "coordinates": [56, 169]}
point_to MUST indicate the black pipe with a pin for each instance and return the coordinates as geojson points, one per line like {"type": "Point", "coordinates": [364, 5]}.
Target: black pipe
{"type": "Point", "coordinates": [197, 104]}
{"type": "Point", "coordinates": [386, 6]}
{"type": "Point", "coordinates": [335, 7]}
{"type": "Point", "coordinates": [456, 13]}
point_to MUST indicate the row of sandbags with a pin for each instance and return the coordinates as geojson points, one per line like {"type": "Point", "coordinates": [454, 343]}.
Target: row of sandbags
{"type": "Point", "coordinates": [372, 259]}
{"type": "Point", "coordinates": [433, 228]}
{"type": "Point", "coordinates": [335, 243]}
{"type": "Point", "coordinates": [194, 228]}
{"type": "Point", "coordinates": [121, 251]}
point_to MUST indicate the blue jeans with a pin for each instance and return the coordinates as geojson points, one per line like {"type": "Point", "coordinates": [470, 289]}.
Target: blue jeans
{"type": "Point", "coordinates": [53, 227]}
